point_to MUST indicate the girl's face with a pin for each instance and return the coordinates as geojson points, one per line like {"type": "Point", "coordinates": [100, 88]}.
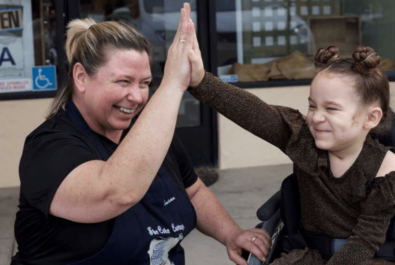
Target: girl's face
{"type": "Point", "coordinates": [118, 91]}
{"type": "Point", "coordinates": [335, 117]}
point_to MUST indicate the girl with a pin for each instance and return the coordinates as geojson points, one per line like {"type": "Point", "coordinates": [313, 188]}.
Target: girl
{"type": "Point", "coordinates": [346, 179]}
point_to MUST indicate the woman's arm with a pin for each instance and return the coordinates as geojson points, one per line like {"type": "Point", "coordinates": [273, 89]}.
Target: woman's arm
{"type": "Point", "coordinates": [213, 220]}
{"type": "Point", "coordinates": [96, 190]}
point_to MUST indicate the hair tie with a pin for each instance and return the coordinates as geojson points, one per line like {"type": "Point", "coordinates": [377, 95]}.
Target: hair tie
{"type": "Point", "coordinates": [367, 57]}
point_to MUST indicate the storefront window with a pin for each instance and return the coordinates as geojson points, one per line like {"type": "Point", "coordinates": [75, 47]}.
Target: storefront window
{"type": "Point", "coordinates": [157, 20]}
{"type": "Point", "coordinates": [28, 56]}
{"type": "Point", "coordinates": [267, 40]}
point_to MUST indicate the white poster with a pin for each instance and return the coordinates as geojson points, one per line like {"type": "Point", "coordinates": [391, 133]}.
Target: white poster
{"type": "Point", "coordinates": [16, 44]}
{"type": "Point", "coordinates": [15, 85]}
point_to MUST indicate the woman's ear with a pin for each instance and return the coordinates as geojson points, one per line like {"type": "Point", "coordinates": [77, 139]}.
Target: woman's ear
{"type": "Point", "coordinates": [373, 118]}
{"type": "Point", "coordinates": [80, 77]}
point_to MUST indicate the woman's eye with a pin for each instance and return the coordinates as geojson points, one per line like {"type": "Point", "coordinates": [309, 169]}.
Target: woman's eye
{"type": "Point", "coordinates": [145, 84]}
{"type": "Point", "coordinates": [331, 109]}
{"type": "Point", "coordinates": [124, 81]}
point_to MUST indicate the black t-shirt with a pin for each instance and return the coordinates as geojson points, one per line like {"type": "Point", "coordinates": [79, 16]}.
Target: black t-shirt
{"type": "Point", "coordinates": [50, 153]}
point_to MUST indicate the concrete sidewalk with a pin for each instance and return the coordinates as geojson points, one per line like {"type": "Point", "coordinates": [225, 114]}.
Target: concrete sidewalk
{"type": "Point", "coordinates": [8, 207]}
{"type": "Point", "coordinates": [241, 191]}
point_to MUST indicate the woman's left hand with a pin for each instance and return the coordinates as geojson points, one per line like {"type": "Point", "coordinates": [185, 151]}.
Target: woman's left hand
{"type": "Point", "coordinates": [257, 241]}
{"type": "Point", "coordinates": [177, 72]}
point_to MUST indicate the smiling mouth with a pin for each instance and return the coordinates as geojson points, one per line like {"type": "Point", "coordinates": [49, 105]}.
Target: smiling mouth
{"type": "Point", "coordinates": [124, 110]}
{"type": "Point", "coordinates": [321, 131]}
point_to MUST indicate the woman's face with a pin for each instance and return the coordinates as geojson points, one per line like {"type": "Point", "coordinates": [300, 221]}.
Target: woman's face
{"type": "Point", "coordinates": [335, 117]}
{"type": "Point", "coordinates": [118, 91]}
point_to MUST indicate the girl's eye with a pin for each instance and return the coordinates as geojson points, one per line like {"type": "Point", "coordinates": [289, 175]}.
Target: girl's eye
{"type": "Point", "coordinates": [311, 107]}
{"type": "Point", "coordinates": [331, 109]}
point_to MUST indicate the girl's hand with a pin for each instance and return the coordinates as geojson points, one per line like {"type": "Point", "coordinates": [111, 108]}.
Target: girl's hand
{"type": "Point", "coordinates": [177, 72]}
{"type": "Point", "coordinates": [195, 58]}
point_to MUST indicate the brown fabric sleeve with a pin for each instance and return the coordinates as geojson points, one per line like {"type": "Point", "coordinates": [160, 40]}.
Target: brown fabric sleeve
{"type": "Point", "coordinates": [275, 124]}
{"type": "Point", "coordinates": [370, 232]}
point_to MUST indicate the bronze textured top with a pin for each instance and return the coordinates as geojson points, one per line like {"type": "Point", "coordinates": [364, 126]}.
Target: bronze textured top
{"type": "Point", "coordinates": [349, 207]}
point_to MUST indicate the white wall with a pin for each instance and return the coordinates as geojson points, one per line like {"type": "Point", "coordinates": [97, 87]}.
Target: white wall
{"type": "Point", "coordinates": [17, 119]}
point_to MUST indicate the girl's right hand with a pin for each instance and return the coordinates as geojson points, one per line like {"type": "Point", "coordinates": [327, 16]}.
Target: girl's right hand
{"type": "Point", "coordinates": [195, 57]}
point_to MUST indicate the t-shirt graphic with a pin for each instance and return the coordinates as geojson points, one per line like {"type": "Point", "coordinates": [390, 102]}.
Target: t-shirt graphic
{"type": "Point", "coordinates": [159, 250]}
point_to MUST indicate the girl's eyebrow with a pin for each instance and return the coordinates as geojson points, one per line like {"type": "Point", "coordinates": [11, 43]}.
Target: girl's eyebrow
{"type": "Point", "coordinates": [332, 103]}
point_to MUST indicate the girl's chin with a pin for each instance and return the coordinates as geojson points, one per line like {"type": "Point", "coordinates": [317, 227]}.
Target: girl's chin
{"type": "Point", "coordinates": [322, 145]}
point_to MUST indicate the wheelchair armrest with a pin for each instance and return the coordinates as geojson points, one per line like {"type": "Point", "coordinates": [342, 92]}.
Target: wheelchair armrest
{"type": "Point", "coordinates": [270, 207]}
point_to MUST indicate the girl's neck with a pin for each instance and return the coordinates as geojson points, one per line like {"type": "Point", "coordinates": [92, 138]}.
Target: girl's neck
{"type": "Point", "coordinates": [342, 160]}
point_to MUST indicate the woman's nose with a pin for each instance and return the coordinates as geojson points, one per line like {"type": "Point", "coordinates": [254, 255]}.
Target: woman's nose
{"type": "Point", "coordinates": [135, 95]}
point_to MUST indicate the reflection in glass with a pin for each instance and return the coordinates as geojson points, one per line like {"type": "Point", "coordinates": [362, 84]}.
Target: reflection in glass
{"type": "Point", "coordinates": [158, 21]}
{"type": "Point", "coordinates": [261, 40]}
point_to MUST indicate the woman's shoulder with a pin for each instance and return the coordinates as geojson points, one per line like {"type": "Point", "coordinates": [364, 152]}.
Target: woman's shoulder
{"type": "Point", "coordinates": [58, 128]}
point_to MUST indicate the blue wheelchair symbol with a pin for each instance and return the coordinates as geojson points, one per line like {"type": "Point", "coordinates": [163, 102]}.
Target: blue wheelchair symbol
{"type": "Point", "coordinates": [44, 77]}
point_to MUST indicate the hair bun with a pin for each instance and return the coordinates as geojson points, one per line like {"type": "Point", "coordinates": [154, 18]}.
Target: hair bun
{"type": "Point", "coordinates": [365, 59]}
{"type": "Point", "coordinates": [324, 57]}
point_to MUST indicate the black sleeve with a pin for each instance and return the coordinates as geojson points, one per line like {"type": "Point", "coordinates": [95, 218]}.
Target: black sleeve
{"type": "Point", "coordinates": [188, 174]}
{"type": "Point", "coordinates": [47, 158]}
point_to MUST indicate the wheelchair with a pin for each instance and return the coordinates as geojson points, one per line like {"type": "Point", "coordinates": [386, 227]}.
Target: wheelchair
{"type": "Point", "coordinates": [281, 216]}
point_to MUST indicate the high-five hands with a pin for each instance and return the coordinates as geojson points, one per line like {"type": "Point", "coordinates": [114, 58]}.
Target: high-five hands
{"type": "Point", "coordinates": [178, 68]}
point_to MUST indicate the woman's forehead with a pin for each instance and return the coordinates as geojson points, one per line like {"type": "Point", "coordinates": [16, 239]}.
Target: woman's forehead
{"type": "Point", "coordinates": [122, 61]}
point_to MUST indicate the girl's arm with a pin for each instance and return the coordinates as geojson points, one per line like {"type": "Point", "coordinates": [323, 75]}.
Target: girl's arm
{"type": "Point", "coordinates": [275, 124]}
{"type": "Point", "coordinates": [370, 232]}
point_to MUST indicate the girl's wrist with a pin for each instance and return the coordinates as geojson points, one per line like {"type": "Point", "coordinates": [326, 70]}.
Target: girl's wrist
{"type": "Point", "coordinates": [199, 78]}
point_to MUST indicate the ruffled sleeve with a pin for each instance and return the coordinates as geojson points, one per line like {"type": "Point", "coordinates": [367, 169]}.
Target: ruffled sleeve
{"type": "Point", "coordinates": [370, 232]}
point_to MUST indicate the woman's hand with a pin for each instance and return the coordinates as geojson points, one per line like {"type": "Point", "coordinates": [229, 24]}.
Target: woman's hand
{"type": "Point", "coordinates": [256, 241]}
{"type": "Point", "coordinates": [178, 68]}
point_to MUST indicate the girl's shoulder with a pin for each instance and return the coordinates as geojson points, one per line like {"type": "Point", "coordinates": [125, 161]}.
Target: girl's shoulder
{"type": "Point", "coordinates": [387, 166]}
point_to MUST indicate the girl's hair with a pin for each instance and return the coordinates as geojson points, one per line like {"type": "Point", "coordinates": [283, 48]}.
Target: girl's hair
{"type": "Point", "coordinates": [370, 82]}
{"type": "Point", "coordinates": [87, 42]}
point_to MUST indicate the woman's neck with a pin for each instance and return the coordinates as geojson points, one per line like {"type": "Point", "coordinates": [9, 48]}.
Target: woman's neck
{"type": "Point", "coordinates": [113, 135]}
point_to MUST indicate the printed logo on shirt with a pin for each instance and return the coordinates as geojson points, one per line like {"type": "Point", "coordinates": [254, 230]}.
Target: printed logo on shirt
{"type": "Point", "coordinates": [163, 230]}
{"type": "Point", "coordinates": [169, 201]}
{"type": "Point", "coordinates": [159, 250]}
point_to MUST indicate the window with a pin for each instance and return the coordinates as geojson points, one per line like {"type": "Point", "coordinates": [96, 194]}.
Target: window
{"type": "Point", "coordinates": [158, 21]}
{"type": "Point", "coordinates": [264, 41]}
{"type": "Point", "coordinates": [28, 54]}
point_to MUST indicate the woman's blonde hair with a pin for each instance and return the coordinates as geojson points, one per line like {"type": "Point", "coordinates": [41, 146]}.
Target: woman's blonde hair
{"type": "Point", "coordinates": [86, 43]}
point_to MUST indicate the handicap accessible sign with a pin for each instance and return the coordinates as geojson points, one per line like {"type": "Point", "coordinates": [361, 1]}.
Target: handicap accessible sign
{"type": "Point", "coordinates": [44, 78]}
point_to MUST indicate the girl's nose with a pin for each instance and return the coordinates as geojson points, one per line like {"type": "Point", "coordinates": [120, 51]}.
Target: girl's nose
{"type": "Point", "coordinates": [318, 117]}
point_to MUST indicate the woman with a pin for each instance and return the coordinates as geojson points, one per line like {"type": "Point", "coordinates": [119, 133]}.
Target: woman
{"type": "Point", "coordinates": [99, 186]}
